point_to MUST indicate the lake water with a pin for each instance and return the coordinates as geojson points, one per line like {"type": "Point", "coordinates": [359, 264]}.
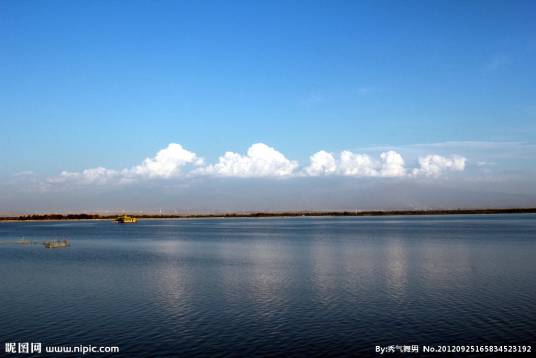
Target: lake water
{"type": "Point", "coordinates": [277, 286]}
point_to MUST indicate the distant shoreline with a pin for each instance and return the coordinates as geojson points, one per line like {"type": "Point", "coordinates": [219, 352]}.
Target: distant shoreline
{"type": "Point", "coordinates": [78, 217]}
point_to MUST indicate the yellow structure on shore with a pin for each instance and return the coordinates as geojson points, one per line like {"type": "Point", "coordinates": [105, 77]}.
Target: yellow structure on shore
{"type": "Point", "coordinates": [125, 219]}
{"type": "Point", "coordinates": [55, 244]}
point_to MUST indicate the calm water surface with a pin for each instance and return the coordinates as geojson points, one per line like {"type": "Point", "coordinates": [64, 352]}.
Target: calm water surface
{"type": "Point", "coordinates": [299, 286]}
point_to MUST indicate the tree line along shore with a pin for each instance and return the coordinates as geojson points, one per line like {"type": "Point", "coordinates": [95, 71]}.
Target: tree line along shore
{"type": "Point", "coordinates": [57, 217]}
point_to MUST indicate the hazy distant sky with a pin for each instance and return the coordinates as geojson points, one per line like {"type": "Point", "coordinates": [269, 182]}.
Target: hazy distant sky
{"type": "Point", "coordinates": [246, 105]}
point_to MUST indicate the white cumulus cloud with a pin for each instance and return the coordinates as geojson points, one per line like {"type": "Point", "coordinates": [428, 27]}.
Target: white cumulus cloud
{"type": "Point", "coordinates": [260, 161]}
{"type": "Point", "coordinates": [390, 164]}
{"type": "Point", "coordinates": [434, 165]}
{"type": "Point", "coordinates": [354, 164]}
{"type": "Point", "coordinates": [322, 163]}
{"type": "Point", "coordinates": [167, 162]}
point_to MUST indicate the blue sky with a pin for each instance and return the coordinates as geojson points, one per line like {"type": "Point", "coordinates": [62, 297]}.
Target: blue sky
{"type": "Point", "coordinates": [91, 84]}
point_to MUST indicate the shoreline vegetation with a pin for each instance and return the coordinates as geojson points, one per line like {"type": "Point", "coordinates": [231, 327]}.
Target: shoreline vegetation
{"type": "Point", "coordinates": [268, 214]}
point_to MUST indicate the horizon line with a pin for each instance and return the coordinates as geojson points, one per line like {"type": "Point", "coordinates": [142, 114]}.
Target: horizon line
{"type": "Point", "coordinates": [259, 214]}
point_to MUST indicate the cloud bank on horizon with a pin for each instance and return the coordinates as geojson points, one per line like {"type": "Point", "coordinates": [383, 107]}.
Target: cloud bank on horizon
{"type": "Point", "coordinates": [414, 176]}
{"type": "Point", "coordinates": [263, 161]}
